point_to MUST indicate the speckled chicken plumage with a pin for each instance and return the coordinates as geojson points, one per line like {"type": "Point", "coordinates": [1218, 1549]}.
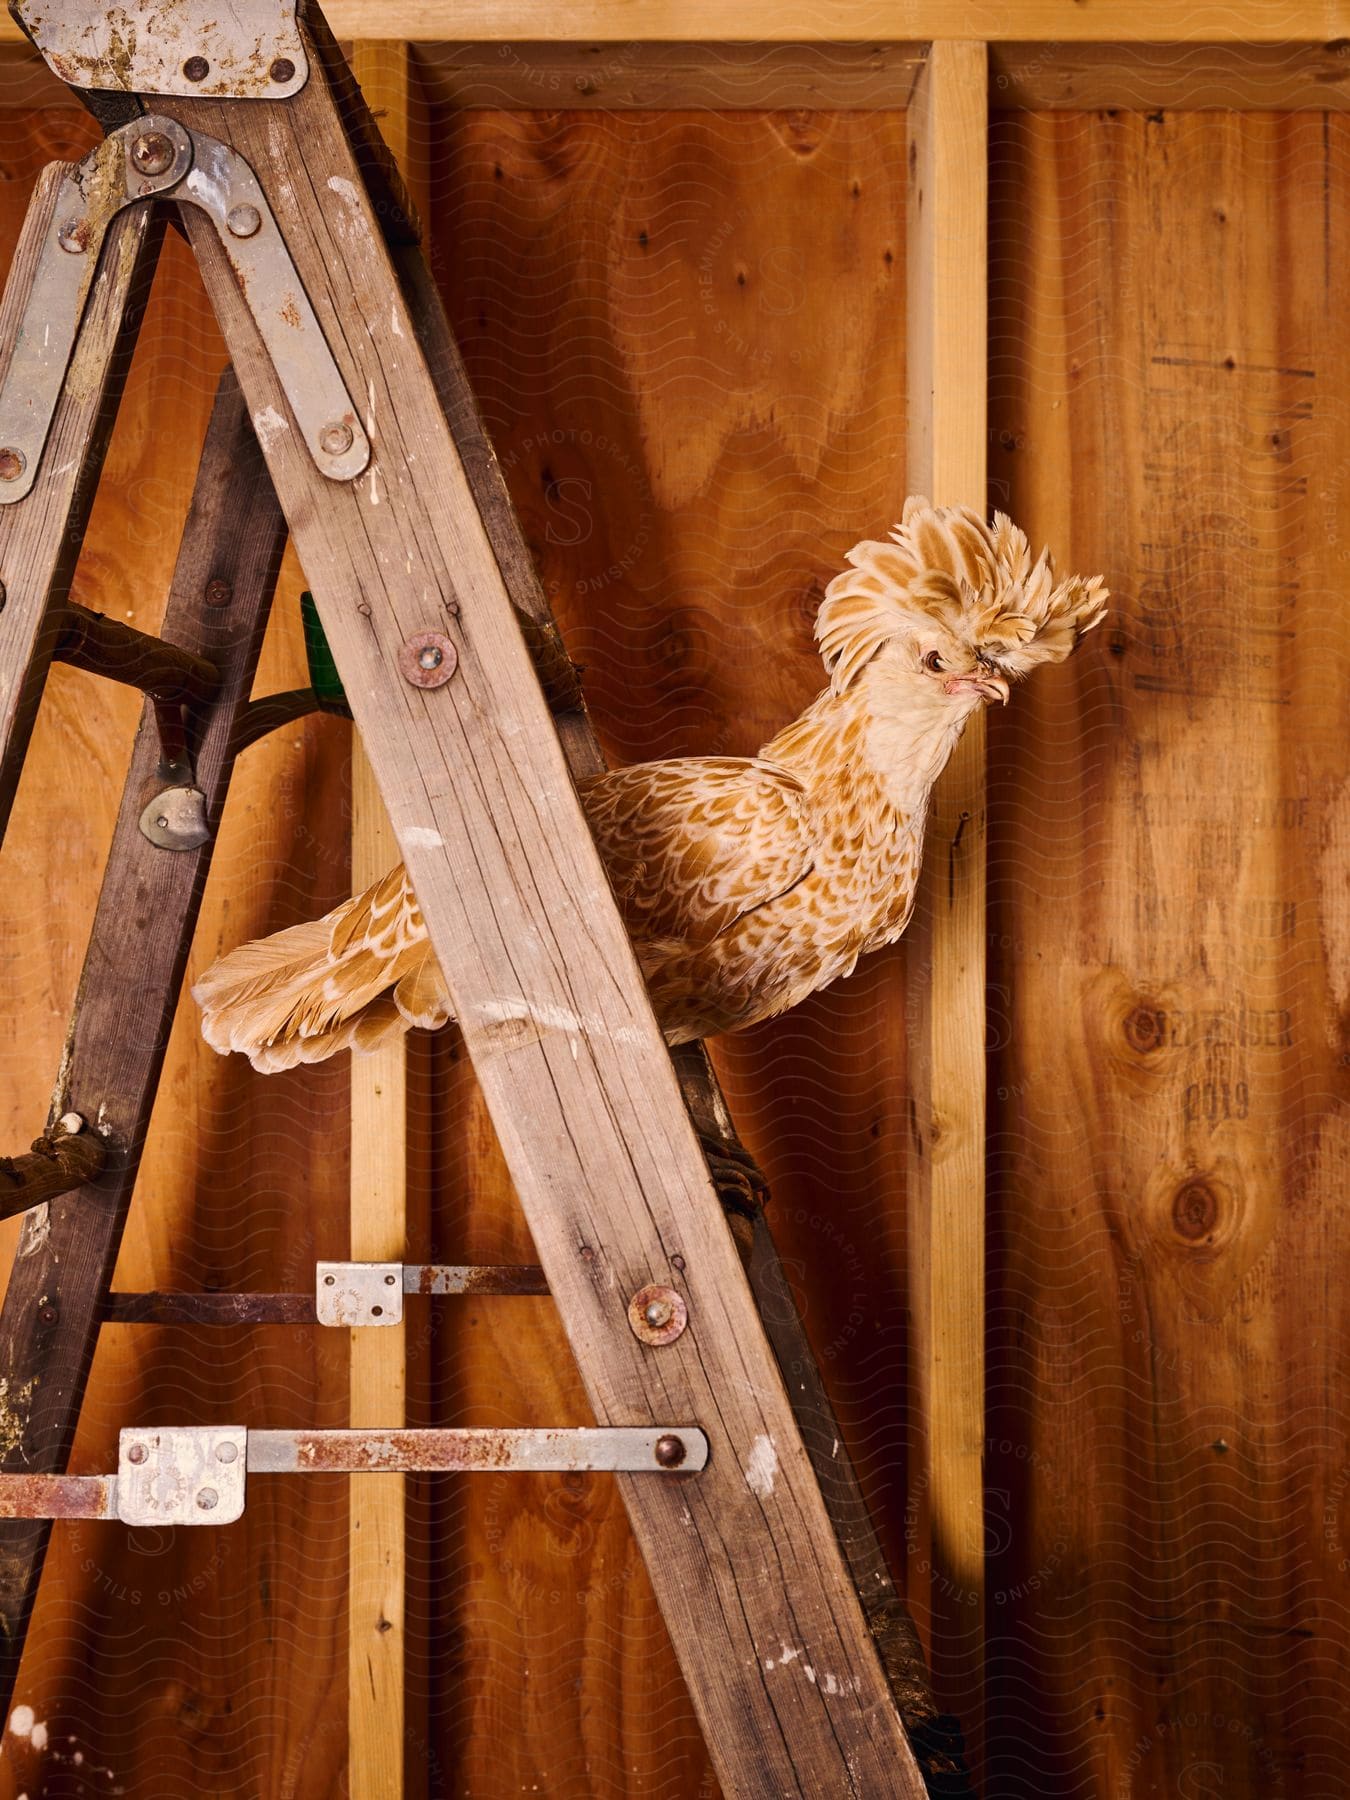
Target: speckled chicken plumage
{"type": "Point", "coordinates": [746, 883]}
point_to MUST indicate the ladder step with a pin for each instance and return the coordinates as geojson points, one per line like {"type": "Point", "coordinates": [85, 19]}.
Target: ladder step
{"type": "Point", "coordinates": [119, 652]}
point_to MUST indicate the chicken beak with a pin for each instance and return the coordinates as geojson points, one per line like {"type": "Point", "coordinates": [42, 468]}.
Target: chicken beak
{"type": "Point", "coordinates": [986, 684]}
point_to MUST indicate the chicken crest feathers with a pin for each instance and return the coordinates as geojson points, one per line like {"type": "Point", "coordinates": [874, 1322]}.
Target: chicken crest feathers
{"type": "Point", "coordinates": [945, 564]}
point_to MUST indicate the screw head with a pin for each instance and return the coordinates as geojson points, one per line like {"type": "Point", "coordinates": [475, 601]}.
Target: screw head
{"type": "Point", "coordinates": [330, 1281]}
{"type": "Point", "coordinates": [196, 68]}
{"type": "Point", "coordinates": [670, 1451]}
{"type": "Point", "coordinates": [427, 659]}
{"type": "Point", "coordinates": [218, 592]}
{"type": "Point", "coordinates": [12, 464]}
{"type": "Point", "coordinates": [208, 1499]}
{"type": "Point", "coordinates": [137, 1453]}
{"type": "Point", "coordinates": [48, 1315]}
{"type": "Point", "coordinates": [73, 235]}
{"type": "Point", "coordinates": [377, 1312]}
{"type": "Point", "coordinates": [336, 439]}
{"type": "Point", "coordinates": [227, 1453]}
{"type": "Point", "coordinates": [389, 1281]}
{"type": "Point", "coordinates": [283, 69]}
{"type": "Point", "coordinates": [152, 153]}
{"type": "Point", "coordinates": [243, 221]}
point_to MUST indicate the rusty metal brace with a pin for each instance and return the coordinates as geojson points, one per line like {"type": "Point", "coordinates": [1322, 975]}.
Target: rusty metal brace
{"type": "Point", "coordinates": [197, 1474]}
{"type": "Point", "coordinates": [157, 158]}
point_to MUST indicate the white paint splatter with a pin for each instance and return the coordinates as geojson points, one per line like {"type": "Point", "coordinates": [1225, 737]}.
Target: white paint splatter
{"type": "Point", "coordinates": [22, 1721]}
{"type": "Point", "coordinates": [762, 1466]}
{"type": "Point", "coordinates": [269, 425]}
{"type": "Point", "coordinates": [338, 184]}
{"type": "Point", "coordinates": [394, 325]}
{"type": "Point", "coordinates": [787, 1654]}
{"type": "Point", "coordinates": [423, 837]}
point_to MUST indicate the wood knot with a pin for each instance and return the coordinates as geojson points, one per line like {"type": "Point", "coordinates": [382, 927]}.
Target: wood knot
{"type": "Point", "coordinates": [1195, 1211]}
{"type": "Point", "coordinates": [1145, 1028]}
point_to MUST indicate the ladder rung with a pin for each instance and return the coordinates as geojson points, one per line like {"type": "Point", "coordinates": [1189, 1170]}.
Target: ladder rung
{"type": "Point", "coordinates": [119, 652]}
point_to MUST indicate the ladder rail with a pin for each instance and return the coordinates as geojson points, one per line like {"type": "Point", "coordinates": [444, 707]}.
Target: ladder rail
{"type": "Point", "coordinates": [133, 970]}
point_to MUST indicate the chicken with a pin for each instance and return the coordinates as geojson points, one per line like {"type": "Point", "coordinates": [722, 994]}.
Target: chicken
{"type": "Point", "coordinates": [746, 883]}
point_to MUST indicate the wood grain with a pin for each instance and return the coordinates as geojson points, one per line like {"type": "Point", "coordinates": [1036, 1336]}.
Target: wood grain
{"type": "Point", "coordinates": [550, 1001]}
{"type": "Point", "coordinates": [945, 942]}
{"type": "Point", "coordinates": [1169, 916]}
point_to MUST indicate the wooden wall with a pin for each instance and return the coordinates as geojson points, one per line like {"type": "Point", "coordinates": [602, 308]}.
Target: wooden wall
{"type": "Point", "coordinates": [1169, 932]}
{"type": "Point", "coordinates": [687, 331]}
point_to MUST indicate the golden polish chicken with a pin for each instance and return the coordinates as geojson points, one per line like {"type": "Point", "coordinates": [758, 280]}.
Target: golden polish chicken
{"type": "Point", "coordinates": [746, 883]}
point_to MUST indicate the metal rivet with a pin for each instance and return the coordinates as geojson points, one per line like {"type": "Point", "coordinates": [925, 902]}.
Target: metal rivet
{"type": "Point", "coordinates": [227, 1453]}
{"type": "Point", "coordinates": [137, 1453]}
{"type": "Point", "coordinates": [283, 69]}
{"type": "Point", "coordinates": [657, 1315]}
{"type": "Point", "coordinates": [196, 68]}
{"type": "Point", "coordinates": [427, 659]}
{"type": "Point", "coordinates": [377, 1312]}
{"type": "Point", "coordinates": [73, 235]}
{"type": "Point", "coordinates": [162, 822]}
{"type": "Point", "coordinates": [243, 221]}
{"type": "Point", "coordinates": [389, 1281]}
{"type": "Point", "coordinates": [12, 464]}
{"type": "Point", "coordinates": [218, 592]}
{"type": "Point", "coordinates": [336, 439]}
{"type": "Point", "coordinates": [670, 1451]}
{"type": "Point", "coordinates": [208, 1499]}
{"type": "Point", "coordinates": [152, 153]}
{"type": "Point", "coordinates": [330, 1281]}
{"type": "Point", "coordinates": [48, 1315]}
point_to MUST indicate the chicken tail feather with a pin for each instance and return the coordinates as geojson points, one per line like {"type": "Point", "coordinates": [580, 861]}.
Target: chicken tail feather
{"type": "Point", "coordinates": [352, 980]}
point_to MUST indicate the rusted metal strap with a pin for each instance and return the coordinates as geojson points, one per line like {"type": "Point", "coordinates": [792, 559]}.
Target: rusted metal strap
{"type": "Point", "coordinates": [58, 1496]}
{"type": "Point", "coordinates": [346, 1294]}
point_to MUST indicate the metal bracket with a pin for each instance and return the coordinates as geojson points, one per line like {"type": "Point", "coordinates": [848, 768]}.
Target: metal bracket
{"type": "Point", "coordinates": [181, 1475]}
{"type": "Point", "coordinates": [157, 158]}
{"type": "Point", "coordinates": [358, 1293]}
{"type": "Point", "coordinates": [352, 1293]}
{"type": "Point", "coordinates": [196, 1475]}
{"type": "Point", "coordinates": [226, 49]}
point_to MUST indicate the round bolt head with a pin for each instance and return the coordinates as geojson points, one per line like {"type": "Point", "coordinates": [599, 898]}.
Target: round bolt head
{"type": "Point", "coordinates": [208, 1499]}
{"type": "Point", "coordinates": [657, 1315]}
{"type": "Point", "coordinates": [196, 68]}
{"type": "Point", "coordinates": [227, 1453]}
{"type": "Point", "coordinates": [73, 235]}
{"type": "Point", "coordinates": [137, 1453]}
{"type": "Point", "coordinates": [12, 464]}
{"type": "Point", "coordinates": [283, 69]}
{"type": "Point", "coordinates": [330, 1281]}
{"type": "Point", "coordinates": [427, 659]}
{"type": "Point", "coordinates": [670, 1451]}
{"type": "Point", "coordinates": [152, 153]}
{"type": "Point", "coordinates": [336, 439]}
{"type": "Point", "coordinates": [218, 592]}
{"type": "Point", "coordinates": [243, 221]}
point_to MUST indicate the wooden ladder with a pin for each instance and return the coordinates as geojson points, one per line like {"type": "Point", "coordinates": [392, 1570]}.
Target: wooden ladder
{"type": "Point", "coordinates": [359, 437]}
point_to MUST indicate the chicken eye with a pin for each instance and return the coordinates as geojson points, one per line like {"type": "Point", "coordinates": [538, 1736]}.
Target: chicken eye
{"type": "Point", "coordinates": [932, 662]}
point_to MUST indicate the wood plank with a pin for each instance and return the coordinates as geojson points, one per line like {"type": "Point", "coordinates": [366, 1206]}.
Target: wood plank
{"type": "Point", "coordinates": [377, 1528]}
{"type": "Point", "coordinates": [1170, 918]}
{"type": "Point", "coordinates": [584, 75]}
{"type": "Point", "coordinates": [1182, 77]}
{"type": "Point", "coordinates": [551, 1003]}
{"type": "Point", "coordinates": [946, 940]}
{"type": "Point", "coordinates": [110, 1070]}
{"type": "Point", "coordinates": [845, 21]}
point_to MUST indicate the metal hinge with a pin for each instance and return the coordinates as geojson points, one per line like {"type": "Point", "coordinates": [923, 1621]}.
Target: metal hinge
{"type": "Point", "coordinates": [157, 158]}
{"type": "Point", "coordinates": [197, 1474]}
{"type": "Point", "coordinates": [246, 50]}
